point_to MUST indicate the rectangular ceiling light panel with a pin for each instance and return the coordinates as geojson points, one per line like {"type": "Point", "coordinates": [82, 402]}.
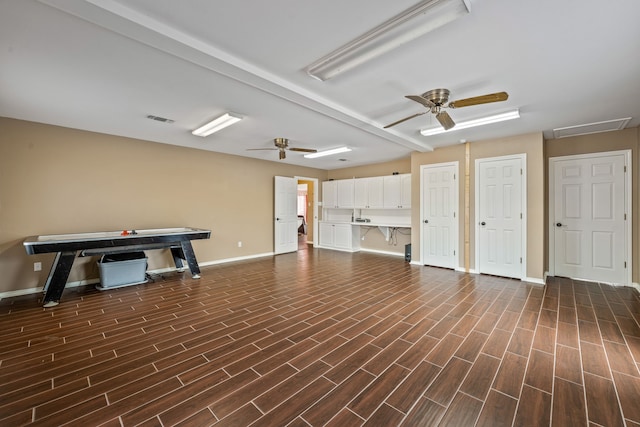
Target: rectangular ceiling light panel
{"type": "Point", "coordinates": [412, 23]}
{"type": "Point", "coordinates": [215, 125]}
{"type": "Point", "coordinates": [510, 115]}
{"type": "Point", "coordinates": [327, 152]}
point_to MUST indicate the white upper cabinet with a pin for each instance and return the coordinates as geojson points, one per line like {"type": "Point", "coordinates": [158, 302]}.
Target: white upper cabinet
{"type": "Point", "coordinates": [345, 193]}
{"type": "Point", "coordinates": [329, 194]}
{"type": "Point", "coordinates": [337, 194]}
{"type": "Point", "coordinates": [397, 191]}
{"type": "Point", "coordinates": [369, 193]}
{"type": "Point", "coordinates": [405, 190]}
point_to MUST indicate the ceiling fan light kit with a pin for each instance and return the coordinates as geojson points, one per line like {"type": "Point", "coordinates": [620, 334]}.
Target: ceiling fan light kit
{"type": "Point", "coordinates": [217, 124]}
{"type": "Point", "coordinates": [509, 115]}
{"type": "Point", "coordinates": [414, 22]}
{"type": "Point", "coordinates": [327, 152]}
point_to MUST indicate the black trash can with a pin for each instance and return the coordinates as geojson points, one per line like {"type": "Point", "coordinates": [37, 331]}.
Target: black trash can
{"type": "Point", "coordinates": [407, 252]}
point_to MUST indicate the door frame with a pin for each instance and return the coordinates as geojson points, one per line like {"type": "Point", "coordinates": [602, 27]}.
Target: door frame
{"type": "Point", "coordinates": [627, 200]}
{"type": "Point", "coordinates": [456, 201]}
{"type": "Point", "coordinates": [523, 231]}
{"type": "Point", "coordinates": [316, 190]}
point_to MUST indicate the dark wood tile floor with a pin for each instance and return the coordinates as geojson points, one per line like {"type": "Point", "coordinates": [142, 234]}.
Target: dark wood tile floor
{"type": "Point", "coordinates": [324, 338]}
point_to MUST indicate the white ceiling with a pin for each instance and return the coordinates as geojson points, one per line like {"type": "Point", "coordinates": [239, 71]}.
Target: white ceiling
{"type": "Point", "coordinates": [104, 65]}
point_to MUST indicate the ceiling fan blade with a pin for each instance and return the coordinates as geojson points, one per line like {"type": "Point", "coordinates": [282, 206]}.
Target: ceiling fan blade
{"type": "Point", "coordinates": [421, 100]}
{"type": "Point", "coordinates": [304, 150]}
{"type": "Point", "coordinates": [484, 99]}
{"type": "Point", "coordinates": [445, 120]}
{"type": "Point", "coordinates": [405, 119]}
{"type": "Point", "coordinates": [255, 149]}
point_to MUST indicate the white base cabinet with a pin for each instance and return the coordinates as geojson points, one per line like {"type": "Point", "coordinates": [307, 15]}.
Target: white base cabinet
{"type": "Point", "coordinates": [339, 236]}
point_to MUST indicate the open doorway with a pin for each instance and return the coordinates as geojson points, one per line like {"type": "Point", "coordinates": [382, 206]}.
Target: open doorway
{"type": "Point", "coordinates": [307, 211]}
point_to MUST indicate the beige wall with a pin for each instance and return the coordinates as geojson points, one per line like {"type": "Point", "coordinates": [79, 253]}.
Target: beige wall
{"type": "Point", "coordinates": [532, 146]}
{"type": "Point", "coordinates": [626, 139]}
{"type": "Point", "coordinates": [57, 180]}
{"type": "Point", "coordinates": [376, 169]}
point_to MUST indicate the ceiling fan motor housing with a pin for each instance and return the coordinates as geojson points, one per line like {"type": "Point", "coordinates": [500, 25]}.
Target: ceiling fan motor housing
{"type": "Point", "coordinates": [437, 96]}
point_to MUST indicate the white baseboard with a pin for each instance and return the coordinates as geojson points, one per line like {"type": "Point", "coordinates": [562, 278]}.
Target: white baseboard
{"type": "Point", "coordinates": [29, 291]}
{"type": "Point", "coordinates": [226, 260]}
{"type": "Point", "coordinates": [376, 251]}
{"type": "Point", "coordinates": [533, 280]}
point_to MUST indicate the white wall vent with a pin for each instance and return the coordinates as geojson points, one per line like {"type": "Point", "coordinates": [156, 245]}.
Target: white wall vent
{"type": "Point", "coordinates": [588, 128]}
{"type": "Point", "coordinates": [159, 119]}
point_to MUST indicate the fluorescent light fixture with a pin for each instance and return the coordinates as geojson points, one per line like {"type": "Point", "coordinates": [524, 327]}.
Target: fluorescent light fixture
{"type": "Point", "coordinates": [215, 125]}
{"type": "Point", "coordinates": [425, 16]}
{"type": "Point", "coordinates": [327, 152]}
{"type": "Point", "coordinates": [510, 115]}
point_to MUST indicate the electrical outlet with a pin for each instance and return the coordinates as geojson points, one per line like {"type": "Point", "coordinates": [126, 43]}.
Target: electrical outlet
{"type": "Point", "coordinates": [239, 244]}
{"type": "Point", "coordinates": [37, 266]}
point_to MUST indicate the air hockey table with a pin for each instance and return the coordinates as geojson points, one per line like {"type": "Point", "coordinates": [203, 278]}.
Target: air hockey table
{"type": "Point", "coordinates": [68, 246]}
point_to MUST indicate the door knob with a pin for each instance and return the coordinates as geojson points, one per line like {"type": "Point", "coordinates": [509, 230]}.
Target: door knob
{"type": "Point", "coordinates": [483, 223]}
{"type": "Point", "coordinates": [426, 221]}
{"type": "Point", "coordinates": [277, 219]}
{"type": "Point", "coordinates": [558, 224]}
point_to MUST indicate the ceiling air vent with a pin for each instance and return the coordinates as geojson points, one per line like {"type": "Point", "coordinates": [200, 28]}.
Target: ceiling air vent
{"type": "Point", "coordinates": [159, 119]}
{"type": "Point", "coordinates": [588, 128]}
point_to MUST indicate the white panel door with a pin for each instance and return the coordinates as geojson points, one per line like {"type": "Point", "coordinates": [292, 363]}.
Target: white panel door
{"type": "Point", "coordinates": [499, 213]}
{"type": "Point", "coordinates": [439, 218]}
{"type": "Point", "coordinates": [285, 215]}
{"type": "Point", "coordinates": [589, 218]}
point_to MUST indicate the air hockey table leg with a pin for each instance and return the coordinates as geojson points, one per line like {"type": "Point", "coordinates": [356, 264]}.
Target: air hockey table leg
{"type": "Point", "coordinates": [57, 279]}
{"type": "Point", "coordinates": [178, 256]}
{"type": "Point", "coordinates": [190, 255]}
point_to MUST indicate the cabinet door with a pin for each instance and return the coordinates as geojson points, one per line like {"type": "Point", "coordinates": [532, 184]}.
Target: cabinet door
{"type": "Point", "coordinates": [405, 191]}
{"type": "Point", "coordinates": [326, 234]}
{"type": "Point", "coordinates": [375, 192]}
{"type": "Point", "coordinates": [345, 193]}
{"type": "Point", "coordinates": [360, 190]}
{"type": "Point", "coordinates": [342, 236]}
{"type": "Point", "coordinates": [329, 194]}
{"type": "Point", "coordinates": [391, 191]}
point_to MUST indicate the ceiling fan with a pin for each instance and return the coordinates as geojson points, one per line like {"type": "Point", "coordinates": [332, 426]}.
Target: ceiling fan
{"type": "Point", "coordinates": [282, 144]}
{"type": "Point", "coordinates": [435, 100]}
